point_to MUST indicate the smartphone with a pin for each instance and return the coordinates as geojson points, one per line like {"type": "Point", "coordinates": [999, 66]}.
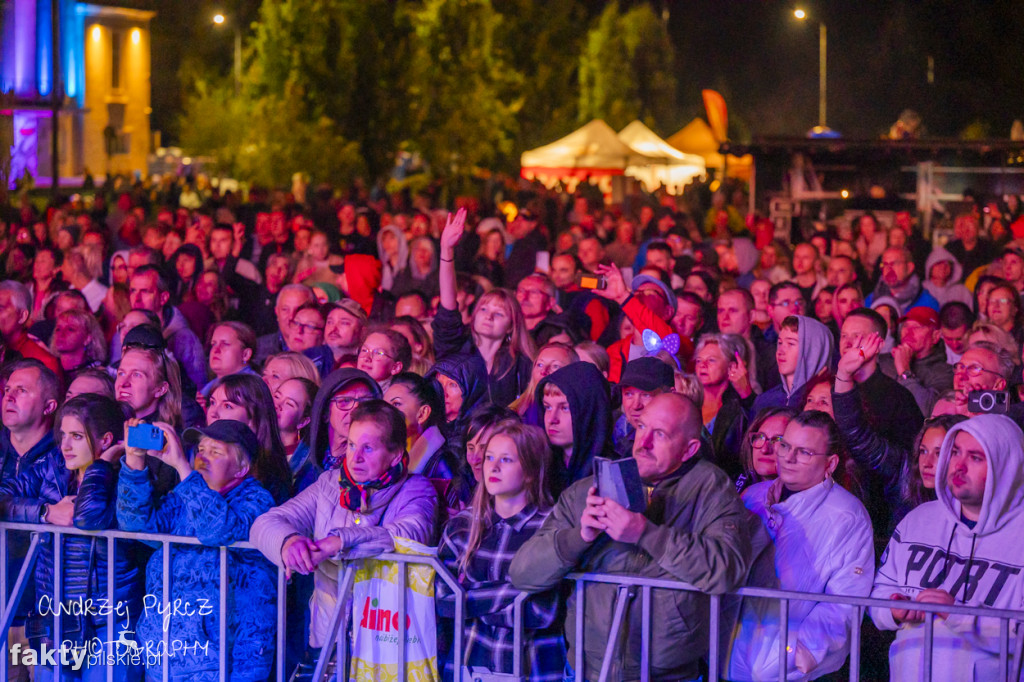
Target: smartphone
{"type": "Point", "coordinates": [146, 437]}
{"type": "Point", "coordinates": [543, 262]}
{"type": "Point", "coordinates": [592, 281]}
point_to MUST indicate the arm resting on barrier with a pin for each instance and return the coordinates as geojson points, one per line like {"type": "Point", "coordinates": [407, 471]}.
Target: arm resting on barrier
{"type": "Point", "coordinates": [95, 506]}
{"type": "Point", "coordinates": [410, 514]}
{"type": "Point", "coordinates": [296, 516]}
{"type": "Point", "coordinates": [557, 548]}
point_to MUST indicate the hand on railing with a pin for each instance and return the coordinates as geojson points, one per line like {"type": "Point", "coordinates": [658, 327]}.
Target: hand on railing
{"type": "Point", "coordinates": [299, 554]}
{"type": "Point", "coordinates": [62, 513]}
{"type": "Point", "coordinates": [928, 596]}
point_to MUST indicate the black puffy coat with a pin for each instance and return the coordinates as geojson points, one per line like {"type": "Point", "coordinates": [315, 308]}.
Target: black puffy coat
{"type": "Point", "coordinates": [83, 559]}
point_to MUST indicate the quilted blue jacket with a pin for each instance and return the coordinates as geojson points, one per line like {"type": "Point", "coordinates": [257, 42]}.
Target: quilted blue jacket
{"type": "Point", "coordinates": [192, 509]}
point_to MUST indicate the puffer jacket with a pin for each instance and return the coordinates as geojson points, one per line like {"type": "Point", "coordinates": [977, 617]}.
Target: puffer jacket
{"type": "Point", "coordinates": [822, 543]}
{"type": "Point", "coordinates": [407, 509]}
{"type": "Point", "coordinates": [83, 559]}
{"type": "Point", "coordinates": [699, 533]}
{"type": "Point", "coordinates": [193, 510]}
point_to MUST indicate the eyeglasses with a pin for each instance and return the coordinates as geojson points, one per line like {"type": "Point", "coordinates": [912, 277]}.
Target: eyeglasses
{"type": "Point", "coordinates": [377, 353]}
{"type": "Point", "coordinates": [347, 402]}
{"type": "Point", "coordinates": [797, 303]}
{"type": "Point", "coordinates": [1004, 301]}
{"type": "Point", "coordinates": [803, 455]}
{"type": "Point", "coordinates": [306, 328]}
{"type": "Point", "coordinates": [974, 370]}
{"type": "Point", "coordinates": [760, 440]}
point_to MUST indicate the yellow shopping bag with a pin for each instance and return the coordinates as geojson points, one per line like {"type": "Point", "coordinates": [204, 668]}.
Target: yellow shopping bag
{"type": "Point", "coordinates": [375, 626]}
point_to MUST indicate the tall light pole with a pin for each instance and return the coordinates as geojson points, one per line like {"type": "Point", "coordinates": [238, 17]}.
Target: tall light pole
{"type": "Point", "coordinates": [822, 64]}
{"type": "Point", "coordinates": [219, 20]}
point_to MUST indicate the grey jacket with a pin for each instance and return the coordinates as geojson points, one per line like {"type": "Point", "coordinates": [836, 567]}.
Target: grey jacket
{"type": "Point", "coordinates": [932, 376]}
{"type": "Point", "coordinates": [407, 509]}
{"type": "Point", "coordinates": [699, 533]}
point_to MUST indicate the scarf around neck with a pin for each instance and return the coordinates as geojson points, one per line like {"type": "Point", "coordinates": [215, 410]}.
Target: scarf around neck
{"type": "Point", "coordinates": [355, 496]}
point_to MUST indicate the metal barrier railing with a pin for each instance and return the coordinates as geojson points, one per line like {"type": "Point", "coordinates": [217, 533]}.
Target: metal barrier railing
{"type": "Point", "coordinates": [646, 585]}
{"type": "Point", "coordinates": [337, 635]}
{"type": "Point", "coordinates": [36, 532]}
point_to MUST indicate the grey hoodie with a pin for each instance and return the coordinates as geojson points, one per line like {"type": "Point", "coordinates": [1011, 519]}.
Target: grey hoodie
{"type": "Point", "coordinates": [815, 342]}
{"type": "Point", "coordinates": [389, 272]}
{"type": "Point", "coordinates": [953, 290]}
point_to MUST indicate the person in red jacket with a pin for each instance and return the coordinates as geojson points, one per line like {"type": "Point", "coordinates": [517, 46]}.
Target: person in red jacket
{"type": "Point", "coordinates": [649, 304]}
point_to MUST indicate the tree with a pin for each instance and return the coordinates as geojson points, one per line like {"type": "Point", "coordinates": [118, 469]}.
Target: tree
{"type": "Point", "coordinates": [626, 69]}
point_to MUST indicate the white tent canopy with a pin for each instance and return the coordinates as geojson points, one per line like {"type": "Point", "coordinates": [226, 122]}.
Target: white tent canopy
{"type": "Point", "coordinates": [667, 166]}
{"type": "Point", "coordinates": [594, 148]}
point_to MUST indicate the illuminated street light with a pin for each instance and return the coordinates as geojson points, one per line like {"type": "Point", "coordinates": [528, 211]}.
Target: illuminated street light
{"type": "Point", "coordinates": [822, 64]}
{"type": "Point", "coordinates": [219, 20]}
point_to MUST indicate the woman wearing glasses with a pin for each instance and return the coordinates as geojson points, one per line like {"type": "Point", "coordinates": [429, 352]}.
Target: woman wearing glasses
{"type": "Point", "coordinates": [384, 354]}
{"type": "Point", "coordinates": [757, 452]}
{"type": "Point", "coordinates": [823, 544]}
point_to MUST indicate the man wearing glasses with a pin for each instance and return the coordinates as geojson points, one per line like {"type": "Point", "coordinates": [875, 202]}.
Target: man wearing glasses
{"type": "Point", "coordinates": [900, 281]}
{"type": "Point", "coordinates": [983, 367]}
{"type": "Point", "coordinates": [332, 409]}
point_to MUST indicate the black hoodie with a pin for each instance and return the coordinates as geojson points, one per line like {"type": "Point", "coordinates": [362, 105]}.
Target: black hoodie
{"type": "Point", "coordinates": [319, 441]}
{"type": "Point", "coordinates": [470, 373]}
{"type": "Point", "coordinates": [591, 409]}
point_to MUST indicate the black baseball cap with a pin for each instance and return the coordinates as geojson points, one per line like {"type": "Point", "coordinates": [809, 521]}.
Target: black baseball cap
{"type": "Point", "coordinates": [226, 431]}
{"type": "Point", "coordinates": [647, 374]}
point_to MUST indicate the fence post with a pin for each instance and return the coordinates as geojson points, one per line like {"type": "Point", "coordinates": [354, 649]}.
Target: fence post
{"type": "Point", "coordinates": [1004, 648]}
{"type": "Point", "coordinates": [858, 620]}
{"type": "Point", "coordinates": [783, 640]}
{"type": "Point", "coordinates": [402, 630]}
{"type": "Point", "coordinates": [929, 642]}
{"type": "Point", "coordinates": [222, 596]}
{"type": "Point", "coordinates": [609, 648]}
{"type": "Point", "coordinates": [112, 601]}
{"type": "Point", "coordinates": [58, 588]}
{"type": "Point", "coordinates": [581, 587]}
{"type": "Point", "coordinates": [714, 638]}
{"type": "Point", "coordinates": [282, 616]}
{"type": "Point", "coordinates": [645, 633]}
{"type": "Point", "coordinates": [517, 635]}
{"type": "Point", "coordinates": [165, 662]}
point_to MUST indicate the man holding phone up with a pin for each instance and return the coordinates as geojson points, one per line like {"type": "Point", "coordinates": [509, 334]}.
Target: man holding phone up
{"type": "Point", "coordinates": [695, 529]}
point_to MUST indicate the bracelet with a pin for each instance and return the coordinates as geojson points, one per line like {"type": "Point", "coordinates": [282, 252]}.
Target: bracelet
{"type": "Point", "coordinates": [447, 260]}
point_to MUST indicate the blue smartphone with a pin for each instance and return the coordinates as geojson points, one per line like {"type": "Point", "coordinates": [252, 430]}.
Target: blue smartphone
{"type": "Point", "coordinates": [146, 437]}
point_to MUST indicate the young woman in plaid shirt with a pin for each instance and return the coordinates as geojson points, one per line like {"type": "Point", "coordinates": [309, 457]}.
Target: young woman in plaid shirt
{"type": "Point", "coordinates": [478, 545]}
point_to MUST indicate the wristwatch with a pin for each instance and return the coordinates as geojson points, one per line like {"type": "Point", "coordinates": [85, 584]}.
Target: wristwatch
{"type": "Point", "coordinates": [907, 375]}
{"type": "Point", "coordinates": [42, 513]}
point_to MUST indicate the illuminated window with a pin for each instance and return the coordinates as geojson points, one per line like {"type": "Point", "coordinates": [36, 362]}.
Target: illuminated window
{"type": "Point", "coordinates": [115, 60]}
{"type": "Point", "coordinates": [136, 36]}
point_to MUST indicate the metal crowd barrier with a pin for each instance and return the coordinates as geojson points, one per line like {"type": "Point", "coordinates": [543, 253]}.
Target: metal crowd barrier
{"type": "Point", "coordinates": [10, 604]}
{"type": "Point", "coordinates": [337, 637]}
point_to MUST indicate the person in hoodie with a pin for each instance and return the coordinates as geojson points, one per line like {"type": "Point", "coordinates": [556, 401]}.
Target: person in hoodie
{"type": "Point", "coordinates": [393, 251]}
{"type": "Point", "coordinates": [961, 549]}
{"type": "Point", "coordinates": [359, 278]}
{"type": "Point", "coordinates": [420, 272]}
{"type": "Point", "coordinates": [901, 282]}
{"type": "Point", "coordinates": [577, 413]}
{"type": "Point", "coordinates": [943, 274]}
{"type": "Point", "coordinates": [803, 351]}
{"type": "Point", "coordinates": [461, 381]}
{"type": "Point", "coordinates": [337, 396]}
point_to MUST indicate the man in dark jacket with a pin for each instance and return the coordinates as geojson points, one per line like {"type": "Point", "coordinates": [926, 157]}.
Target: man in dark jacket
{"type": "Point", "coordinates": [918, 363]}
{"type": "Point", "coordinates": [577, 412]}
{"type": "Point", "coordinates": [695, 529]}
{"type": "Point", "coordinates": [864, 394]}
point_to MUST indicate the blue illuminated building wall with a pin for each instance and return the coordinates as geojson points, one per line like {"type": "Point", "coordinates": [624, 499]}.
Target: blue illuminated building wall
{"type": "Point", "coordinates": [26, 52]}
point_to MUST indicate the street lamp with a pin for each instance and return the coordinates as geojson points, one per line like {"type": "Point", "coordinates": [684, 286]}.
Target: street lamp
{"type": "Point", "coordinates": [822, 64]}
{"type": "Point", "coordinates": [219, 19]}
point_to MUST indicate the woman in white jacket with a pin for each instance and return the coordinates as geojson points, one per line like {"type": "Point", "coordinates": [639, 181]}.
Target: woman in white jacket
{"type": "Point", "coordinates": [822, 542]}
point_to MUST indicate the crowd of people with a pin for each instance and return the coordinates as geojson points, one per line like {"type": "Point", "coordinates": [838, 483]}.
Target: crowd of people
{"type": "Point", "coordinates": [839, 416]}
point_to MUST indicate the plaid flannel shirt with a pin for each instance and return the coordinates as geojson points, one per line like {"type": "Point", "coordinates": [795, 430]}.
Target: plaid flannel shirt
{"type": "Point", "coordinates": [489, 636]}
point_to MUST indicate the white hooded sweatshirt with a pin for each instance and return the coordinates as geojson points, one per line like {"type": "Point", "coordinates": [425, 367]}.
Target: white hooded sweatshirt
{"type": "Point", "coordinates": [933, 547]}
{"type": "Point", "coordinates": [823, 543]}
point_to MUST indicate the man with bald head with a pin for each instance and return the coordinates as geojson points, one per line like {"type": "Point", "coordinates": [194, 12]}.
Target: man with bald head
{"type": "Point", "coordinates": [694, 529]}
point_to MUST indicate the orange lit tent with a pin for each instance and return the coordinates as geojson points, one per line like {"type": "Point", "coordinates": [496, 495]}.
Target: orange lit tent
{"type": "Point", "coordinates": [669, 167]}
{"type": "Point", "coordinates": [696, 138]}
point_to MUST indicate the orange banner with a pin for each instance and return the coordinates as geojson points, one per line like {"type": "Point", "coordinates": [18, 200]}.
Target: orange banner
{"type": "Point", "coordinates": [718, 115]}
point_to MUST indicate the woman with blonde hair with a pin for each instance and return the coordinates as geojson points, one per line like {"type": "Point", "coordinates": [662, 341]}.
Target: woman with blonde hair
{"type": "Point", "coordinates": [550, 357]}
{"type": "Point", "coordinates": [288, 365]}
{"type": "Point", "coordinates": [78, 341]}
{"type": "Point", "coordinates": [497, 332]}
{"type": "Point", "coordinates": [478, 544]}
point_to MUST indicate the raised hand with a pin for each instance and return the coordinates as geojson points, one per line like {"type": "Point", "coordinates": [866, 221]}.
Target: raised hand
{"type": "Point", "coordinates": [864, 350]}
{"type": "Point", "coordinates": [454, 227]}
{"type": "Point", "coordinates": [739, 377]}
{"type": "Point", "coordinates": [615, 288]}
{"type": "Point", "coordinates": [901, 358]}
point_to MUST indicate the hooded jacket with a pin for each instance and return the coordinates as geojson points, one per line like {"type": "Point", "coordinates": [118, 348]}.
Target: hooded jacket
{"type": "Point", "coordinates": [363, 276]}
{"type": "Point", "coordinates": [911, 295]}
{"type": "Point", "coordinates": [953, 290]}
{"type": "Point", "coordinates": [815, 342]}
{"type": "Point", "coordinates": [389, 272]}
{"type": "Point", "coordinates": [590, 407]}
{"type": "Point", "coordinates": [981, 566]}
{"type": "Point", "coordinates": [470, 373]}
{"type": "Point", "coordinates": [822, 543]}
{"type": "Point", "coordinates": [319, 440]}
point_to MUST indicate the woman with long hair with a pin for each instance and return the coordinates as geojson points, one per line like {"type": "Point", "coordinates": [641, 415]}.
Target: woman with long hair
{"type": "Point", "coordinates": [490, 258]}
{"type": "Point", "coordinates": [723, 364]}
{"type": "Point", "coordinates": [478, 544]}
{"type": "Point", "coordinates": [245, 398]}
{"type": "Point", "coordinates": [823, 544]}
{"type": "Point", "coordinates": [419, 340]}
{"type": "Point", "coordinates": [918, 481]}
{"type": "Point", "coordinates": [288, 365]}
{"type": "Point", "coordinates": [1003, 309]}
{"type": "Point", "coordinates": [293, 404]}
{"type": "Point", "coordinates": [78, 341]}
{"type": "Point", "coordinates": [185, 268]}
{"type": "Point", "coordinates": [552, 356]}
{"type": "Point", "coordinates": [77, 486]}
{"type": "Point", "coordinates": [497, 332]}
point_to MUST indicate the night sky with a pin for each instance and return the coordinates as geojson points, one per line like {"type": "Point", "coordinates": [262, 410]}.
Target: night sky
{"type": "Point", "coordinates": [761, 58]}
